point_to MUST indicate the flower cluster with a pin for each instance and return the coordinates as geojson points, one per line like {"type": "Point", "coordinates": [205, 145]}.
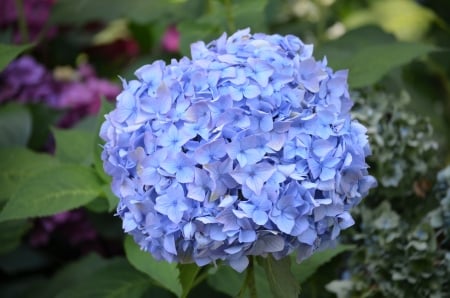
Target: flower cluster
{"type": "Point", "coordinates": [246, 149]}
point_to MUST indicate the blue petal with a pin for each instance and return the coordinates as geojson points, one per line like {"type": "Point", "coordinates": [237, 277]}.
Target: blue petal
{"type": "Point", "coordinates": [247, 236]}
{"type": "Point", "coordinates": [260, 217]}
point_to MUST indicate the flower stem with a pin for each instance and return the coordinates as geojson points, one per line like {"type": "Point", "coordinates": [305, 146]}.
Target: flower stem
{"type": "Point", "coordinates": [249, 281]}
{"type": "Point", "coordinates": [22, 21]}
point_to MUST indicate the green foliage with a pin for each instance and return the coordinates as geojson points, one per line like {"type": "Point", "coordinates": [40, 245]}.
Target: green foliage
{"type": "Point", "coordinates": [403, 144]}
{"type": "Point", "coordinates": [138, 11]}
{"type": "Point", "coordinates": [74, 146]}
{"type": "Point", "coordinates": [188, 275]}
{"type": "Point", "coordinates": [164, 274]}
{"type": "Point", "coordinates": [222, 16]}
{"type": "Point", "coordinates": [226, 280]}
{"type": "Point", "coordinates": [11, 233]}
{"type": "Point", "coordinates": [8, 52]}
{"type": "Point", "coordinates": [97, 149]}
{"type": "Point", "coordinates": [396, 258]}
{"type": "Point", "coordinates": [281, 280]}
{"type": "Point", "coordinates": [15, 125]}
{"type": "Point", "coordinates": [114, 279]}
{"type": "Point", "coordinates": [370, 54]}
{"type": "Point", "coordinates": [74, 273]}
{"type": "Point", "coordinates": [17, 165]}
{"type": "Point", "coordinates": [53, 190]}
{"type": "Point", "coordinates": [308, 267]}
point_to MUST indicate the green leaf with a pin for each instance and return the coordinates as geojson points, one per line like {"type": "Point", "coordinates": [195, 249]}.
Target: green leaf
{"type": "Point", "coordinates": [117, 279]}
{"type": "Point", "coordinates": [193, 31]}
{"type": "Point", "coordinates": [226, 280]}
{"type": "Point", "coordinates": [42, 117]}
{"type": "Point", "coordinates": [369, 65]}
{"type": "Point", "coordinates": [17, 164]}
{"type": "Point", "coordinates": [262, 286]}
{"type": "Point", "coordinates": [188, 274]}
{"type": "Point", "coordinates": [72, 274]}
{"type": "Point", "coordinates": [163, 273]}
{"type": "Point", "coordinates": [23, 259]}
{"type": "Point", "coordinates": [8, 52]}
{"type": "Point", "coordinates": [11, 233]}
{"type": "Point", "coordinates": [309, 266]}
{"type": "Point", "coordinates": [15, 125]}
{"type": "Point", "coordinates": [140, 11]}
{"type": "Point", "coordinates": [412, 23]}
{"type": "Point", "coordinates": [52, 191]}
{"type": "Point", "coordinates": [281, 280]}
{"type": "Point", "coordinates": [110, 197]}
{"type": "Point", "coordinates": [106, 202]}
{"type": "Point", "coordinates": [369, 54]}
{"type": "Point", "coordinates": [250, 13]}
{"type": "Point", "coordinates": [206, 27]}
{"type": "Point", "coordinates": [73, 146]}
{"type": "Point", "coordinates": [105, 108]}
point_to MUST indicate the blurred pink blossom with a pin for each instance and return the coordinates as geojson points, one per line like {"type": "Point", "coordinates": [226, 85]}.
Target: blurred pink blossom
{"type": "Point", "coordinates": [78, 91]}
{"type": "Point", "coordinates": [171, 39]}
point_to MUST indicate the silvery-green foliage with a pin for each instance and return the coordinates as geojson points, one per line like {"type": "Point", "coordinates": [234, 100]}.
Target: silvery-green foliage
{"type": "Point", "coordinates": [402, 142]}
{"type": "Point", "coordinates": [402, 256]}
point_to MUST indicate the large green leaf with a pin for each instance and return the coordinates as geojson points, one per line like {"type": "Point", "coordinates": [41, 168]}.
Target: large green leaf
{"type": "Point", "coordinates": [309, 266]}
{"type": "Point", "coordinates": [74, 146]}
{"type": "Point", "coordinates": [72, 274]}
{"type": "Point", "coordinates": [15, 125]}
{"type": "Point", "coordinates": [11, 233]}
{"type": "Point", "coordinates": [188, 274]}
{"type": "Point", "coordinates": [369, 54]}
{"type": "Point", "coordinates": [117, 279]}
{"type": "Point", "coordinates": [226, 280]}
{"type": "Point", "coordinates": [281, 280]}
{"type": "Point", "coordinates": [250, 13]}
{"type": "Point", "coordinates": [369, 65]}
{"type": "Point", "coordinates": [54, 190]}
{"type": "Point", "coordinates": [17, 164]}
{"type": "Point", "coordinates": [43, 118]}
{"type": "Point", "coordinates": [163, 273]}
{"type": "Point", "coordinates": [408, 20]}
{"type": "Point", "coordinates": [8, 52]}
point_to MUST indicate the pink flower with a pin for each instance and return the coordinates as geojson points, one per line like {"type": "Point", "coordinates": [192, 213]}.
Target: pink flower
{"type": "Point", "coordinates": [171, 39]}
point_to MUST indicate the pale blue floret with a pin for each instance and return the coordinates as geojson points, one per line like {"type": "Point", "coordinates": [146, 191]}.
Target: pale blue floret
{"type": "Point", "coordinates": [247, 148]}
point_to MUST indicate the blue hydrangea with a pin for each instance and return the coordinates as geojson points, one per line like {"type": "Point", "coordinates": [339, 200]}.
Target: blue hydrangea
{"type": "Point", "coordinates": [247, 148]}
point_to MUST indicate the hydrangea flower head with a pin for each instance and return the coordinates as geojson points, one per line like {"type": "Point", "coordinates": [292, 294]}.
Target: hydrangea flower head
{"type": "Point", "coordinates": [247, 148]}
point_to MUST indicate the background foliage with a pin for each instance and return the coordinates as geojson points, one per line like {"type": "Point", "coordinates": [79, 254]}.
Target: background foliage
{"type": "Point", "coordinates": [58, 231]}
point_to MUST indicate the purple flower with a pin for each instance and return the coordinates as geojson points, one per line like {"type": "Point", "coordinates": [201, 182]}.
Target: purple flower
{"type": "Point", "coordinates": [77, 90]}
{"type": "Point", "coordinates": [252, 151]}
